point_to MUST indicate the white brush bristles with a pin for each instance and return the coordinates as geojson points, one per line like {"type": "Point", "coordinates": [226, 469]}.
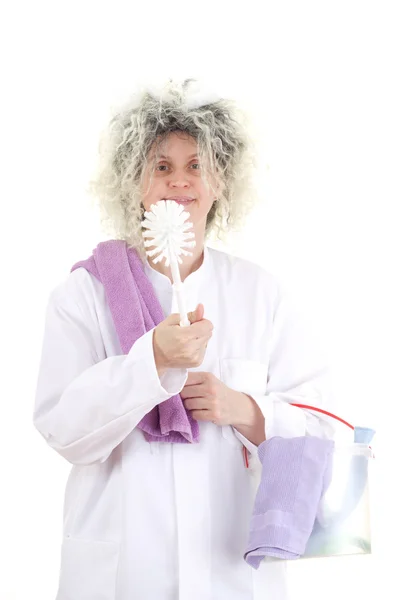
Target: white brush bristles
{"type": "Point", "coordinates": [167, 227]}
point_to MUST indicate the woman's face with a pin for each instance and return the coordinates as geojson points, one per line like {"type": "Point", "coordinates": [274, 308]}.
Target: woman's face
{"type": "Point", "coordinates": [177, 174]}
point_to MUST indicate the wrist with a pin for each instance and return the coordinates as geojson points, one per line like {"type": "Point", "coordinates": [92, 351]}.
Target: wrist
{"type": "Point", "coordinates": [248, 412]}
{"type": "Point", "coordinates": [158, 358]}
{"type": "Point", "coordinates": [251, 422]}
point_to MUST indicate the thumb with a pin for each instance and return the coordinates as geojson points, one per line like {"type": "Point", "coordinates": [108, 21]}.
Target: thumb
{"type": "Point", "coordinates": [196, 315]}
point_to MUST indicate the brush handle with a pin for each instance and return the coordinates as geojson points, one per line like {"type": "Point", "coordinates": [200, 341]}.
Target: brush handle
{"type": "Point", "coordinates": [178, 287]}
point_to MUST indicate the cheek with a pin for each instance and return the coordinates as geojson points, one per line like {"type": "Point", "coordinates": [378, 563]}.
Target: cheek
{"type": "Point", "coordinates": [149, 194]}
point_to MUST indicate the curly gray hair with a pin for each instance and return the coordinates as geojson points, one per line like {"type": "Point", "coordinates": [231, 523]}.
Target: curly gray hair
{"type": "Point", "coordinates": [226, 150]}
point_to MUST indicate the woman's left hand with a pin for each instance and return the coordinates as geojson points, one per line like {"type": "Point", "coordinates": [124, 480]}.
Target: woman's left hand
{"type": "Point", "coordinates": [209, 399]}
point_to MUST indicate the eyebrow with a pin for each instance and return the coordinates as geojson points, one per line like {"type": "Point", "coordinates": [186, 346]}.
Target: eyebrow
{"type": "Point", "coordinates": [168, 157]}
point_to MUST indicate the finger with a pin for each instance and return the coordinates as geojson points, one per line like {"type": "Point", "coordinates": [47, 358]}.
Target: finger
{"type": "Point", "coordinates": [193, 391]}
{"type": "Point", "coordinates": [197, 314]}
{"type": "Point", "coordinates": [196, 378]}
{"type": "Point", "coordinates": [201, 415]}
{"type": "Point", "coordinates": [196, 403]}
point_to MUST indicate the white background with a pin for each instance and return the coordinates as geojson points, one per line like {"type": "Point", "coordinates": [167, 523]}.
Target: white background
{"type": "Point", "coordinates": [324, 78]}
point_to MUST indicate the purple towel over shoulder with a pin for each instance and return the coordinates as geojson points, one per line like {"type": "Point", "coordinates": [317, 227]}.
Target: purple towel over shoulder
{"type": "Point", "coordinates": [295, 475]}
{"type": "Point", "coordinates": [135, 309]}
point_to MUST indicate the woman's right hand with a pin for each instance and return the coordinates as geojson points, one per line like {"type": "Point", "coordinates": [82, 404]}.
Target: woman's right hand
{"type": "Point", "coordinates": [181, 347]}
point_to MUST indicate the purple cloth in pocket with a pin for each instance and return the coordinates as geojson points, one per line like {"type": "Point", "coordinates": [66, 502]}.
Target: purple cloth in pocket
{"type": "Point", "coordinates": [295, 475]}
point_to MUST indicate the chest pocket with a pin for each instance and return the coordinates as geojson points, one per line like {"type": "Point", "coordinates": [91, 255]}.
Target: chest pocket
{"type": "Point", "coordinates": [242, 375]}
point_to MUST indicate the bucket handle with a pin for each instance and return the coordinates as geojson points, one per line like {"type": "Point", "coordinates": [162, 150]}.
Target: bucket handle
{"type": "Point", "coordinates": [325, 412]}
{"type": "Point", "coordinates": [321, 410]}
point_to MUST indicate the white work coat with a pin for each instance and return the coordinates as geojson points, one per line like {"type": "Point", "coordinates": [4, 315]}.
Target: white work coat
{"type": "Point", "coordinates": [162, 521]}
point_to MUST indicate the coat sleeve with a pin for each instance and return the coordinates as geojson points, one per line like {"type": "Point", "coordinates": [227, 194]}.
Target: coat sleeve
{"type": "Point", "coordinates": [85, 406]}
{"type": "Point", "coordinates": [298, 373]}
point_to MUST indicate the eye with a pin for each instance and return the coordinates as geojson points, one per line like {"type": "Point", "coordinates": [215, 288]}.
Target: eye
{"type": "Point", "coordinates": [198, 166]}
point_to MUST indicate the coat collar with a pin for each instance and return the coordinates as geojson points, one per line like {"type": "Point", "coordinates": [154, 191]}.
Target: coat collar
{"type": "Point", "coordinates": [160, 280]}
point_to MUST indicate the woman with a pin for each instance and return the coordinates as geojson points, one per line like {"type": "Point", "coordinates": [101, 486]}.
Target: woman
{"type": "Point", "coordinates": [158, 519]}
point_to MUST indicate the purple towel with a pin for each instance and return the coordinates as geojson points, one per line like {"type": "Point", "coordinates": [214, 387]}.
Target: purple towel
{"type": "Point", "coordinates": [135, 310]}
{"type": "Point", "coordinates": [295, 475]}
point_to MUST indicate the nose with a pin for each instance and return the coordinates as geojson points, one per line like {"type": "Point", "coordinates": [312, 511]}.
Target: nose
{"type": "Point", "coordinates": [179, 178]}
{"type": "Point", "coordinates": [179, 183]}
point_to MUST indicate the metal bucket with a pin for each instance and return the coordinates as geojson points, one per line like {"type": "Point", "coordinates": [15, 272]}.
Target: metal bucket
{"type": "Point", "coordinates": [343, 522]}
